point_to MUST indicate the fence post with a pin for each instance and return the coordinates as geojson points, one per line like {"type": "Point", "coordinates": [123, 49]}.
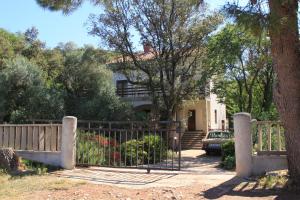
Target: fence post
{"type": "Point", "coordinates": [68, 142]}
{"type": "Point", "coordinates": [243, 144]}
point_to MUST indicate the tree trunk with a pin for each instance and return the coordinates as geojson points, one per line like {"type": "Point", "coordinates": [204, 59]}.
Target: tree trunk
{"type": "Point", "coordinates": [284, 36]}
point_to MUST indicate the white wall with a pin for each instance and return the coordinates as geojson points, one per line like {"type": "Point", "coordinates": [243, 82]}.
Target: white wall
{"type": "Point", "coordinates": [221, 112]}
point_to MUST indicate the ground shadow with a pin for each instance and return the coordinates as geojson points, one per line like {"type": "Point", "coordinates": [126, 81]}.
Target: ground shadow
{"type": "Point", "coordinates": [239, 187]}
{"type": "Point", "coordinates": [114, 176]}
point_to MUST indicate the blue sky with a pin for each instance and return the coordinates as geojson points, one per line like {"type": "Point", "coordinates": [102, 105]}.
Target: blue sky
{"type": "Point", "coordinates": [54, 27]}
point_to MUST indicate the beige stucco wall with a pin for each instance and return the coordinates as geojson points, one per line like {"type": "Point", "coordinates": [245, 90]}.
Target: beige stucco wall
{"type": "Point", "coordinates": [214, 104]}
{"type": "Point", "coordinates": [200, 110]}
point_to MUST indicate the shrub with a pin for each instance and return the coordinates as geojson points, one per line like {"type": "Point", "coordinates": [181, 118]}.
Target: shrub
{"type": "Point", "coordinates": [155, 147]}
{"type": "Point", "coordinates": [99, 150]}
{"type": "Point", "coordinates": [139, 151]}
{"type": "Point", "coordinates": [133, 153]}
{"type": "Point", "coordinates": [228, 155]}
{"type": "Point", "coordinates": [229, 162]}
{"type": "Point", "coordinates": [96, 149]}
{"type": "Point", "coordinates": [228, 149]}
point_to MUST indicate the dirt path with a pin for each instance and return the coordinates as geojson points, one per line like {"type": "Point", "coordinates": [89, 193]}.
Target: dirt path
{"type": "Point", "coordinates": [200, 178]}
{"type": "Point", "coordinates": [96, 191]}
{"type": "Point", "coordinates": [197, 169]}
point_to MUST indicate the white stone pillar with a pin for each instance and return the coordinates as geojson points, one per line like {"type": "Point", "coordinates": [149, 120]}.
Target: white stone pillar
{"type": "Point", "coordinates": [243, 144]}
{"type": "Point", "coordinates": [68, 142]}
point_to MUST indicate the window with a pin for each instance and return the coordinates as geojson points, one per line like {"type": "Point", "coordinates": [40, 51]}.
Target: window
{"type": "Point", "coordinates": [216, 117]}
{"type": "Point", "coordinates": [121, 87]}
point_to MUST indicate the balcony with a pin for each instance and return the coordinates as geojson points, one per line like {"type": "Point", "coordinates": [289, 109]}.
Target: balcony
{"type": "Point", "coordinates": [142, 92]}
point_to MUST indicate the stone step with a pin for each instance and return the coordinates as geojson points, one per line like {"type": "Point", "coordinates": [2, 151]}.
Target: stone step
{"type": "Point", "coordinates": [191, 137]}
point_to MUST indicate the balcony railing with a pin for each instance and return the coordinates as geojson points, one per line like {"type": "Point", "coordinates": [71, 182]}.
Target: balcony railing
{"type": "Point", "coordinates": [141, 91]}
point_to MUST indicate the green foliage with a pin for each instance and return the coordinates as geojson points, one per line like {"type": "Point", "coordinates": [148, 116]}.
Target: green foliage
{"type": "Point", "coordinates": [155, 147]}
{"type": "Point", "coordinates": [229, 162]}
{"type": "Point", "coordinates": [37, 167]}
{"type": "Point", "coordinates": [228, 149]}
{"type": "Point", "coordinates": [243, 71]}
{"type": "Point", "coordinates": [89, 90]}
{"type": "Point", "coordinates": [96, 150]}
{"type": "Point", "coordinates": [24, 94]}
{"type": "Point", "coordinates": [42, 83]}
{"type": "Point", "coordinates": [228, 155]}
{"type": "Point", "coordinates": [133, 152]}
{"type": "Point", "coordinates": [10, 45]}
{"type": "Point", "coordinates": [89, 152]}
{"type": "Point", "coordinates": [152, 148]}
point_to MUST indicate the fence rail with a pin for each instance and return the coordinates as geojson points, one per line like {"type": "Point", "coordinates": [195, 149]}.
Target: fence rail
{"type": "Point", "coordinates": [144, 145]}
{"type": "Point", "coordinates": [36, 137]}
{"type": "Point", "coordinates": [142, 91]}
{"type": "Point", "coordinates": [268, 137]}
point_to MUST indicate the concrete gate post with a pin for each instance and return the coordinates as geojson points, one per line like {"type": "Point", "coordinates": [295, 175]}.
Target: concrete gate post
{"type": "Point", "coordinates": [243, 144]}
{"type": "Point", "coordinates": [68, 142]}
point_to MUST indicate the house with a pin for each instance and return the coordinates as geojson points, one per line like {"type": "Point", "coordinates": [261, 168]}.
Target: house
{"type": "Point", "coordinates": [198, 115]}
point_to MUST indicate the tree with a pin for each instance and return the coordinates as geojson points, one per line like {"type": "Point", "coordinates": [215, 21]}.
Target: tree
{"type": "Point", "coordinates": [10, 45]}
{"type": "Point", "coordinates": [175, 33]}
{"type": "Point", "coordinates": [280, 18]}
{"type": "Point", "coordinates": [243, 71]}
{"type": "Point", "coordinates": [88, 87]}
{"type": "Point", "coordinates": [24, 94]}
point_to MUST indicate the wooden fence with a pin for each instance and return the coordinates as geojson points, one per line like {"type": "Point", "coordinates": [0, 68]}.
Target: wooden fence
{"type": "Point", "coordinates": [35, 137]}
{"type": "Point", "coordinates": [268, 137]}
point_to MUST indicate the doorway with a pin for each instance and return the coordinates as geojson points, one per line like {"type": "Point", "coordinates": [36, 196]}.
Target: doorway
{"type": "Point", "coordinates": [192, 120]}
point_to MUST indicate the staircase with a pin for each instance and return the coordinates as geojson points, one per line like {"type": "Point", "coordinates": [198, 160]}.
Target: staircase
{"type": "Point", "coordinates": [192, 140]}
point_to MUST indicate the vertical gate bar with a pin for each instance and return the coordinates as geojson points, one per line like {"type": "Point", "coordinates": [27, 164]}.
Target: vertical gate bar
{"type": "Point", "coordinates": [167, 136]}
{"type": "Point", "coordinates": [109, 142]}
{"type": "Point", "coordinates": [148, 155]}
{"type": "Point", "coordinates": [1, 136]}
{"type": "Point", "coordinates": [161, 146]}
{"type": "Point", "coordinates": [82, 143]}
{"type": "Point", "coordinates": [87, 146]}
{"type": "Point", "coordinates": [87, 149]}
{"type": "Point", "coordinates": [99, 146]}
{"type": "Point", "coordinates": [120, 149]}
{"type": "Point", "coordinates": [179, 147]}
{"type": "Point", "coordinates": [137, 139]}
{"type": "Point", "coordinates": [279, 137]}
{"type": "Point", "coordinates": [154, 152]}
{"type": "Point", "coordinates": [125, 148]}
{"type": "Point", "coordinates": [104, 146]}
{"type": "Point", "coordinates": [143, 146]}
{"type": "Point", "coordinates": [171, 124]}
{"type": "Point", "coordinates": [114, 147]}
{"type": "Point", "coordinates": [91, 146]}
{"type": "Point", "coordinates": [77, 146]}
{"type": "Point", "coordinates": [95, 149]}
{"type": "Point", "coordinates": [131, 148]}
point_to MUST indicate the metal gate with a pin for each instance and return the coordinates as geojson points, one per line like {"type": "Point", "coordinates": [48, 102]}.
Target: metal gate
{"type": "Point", "coordinates": [143, 145]}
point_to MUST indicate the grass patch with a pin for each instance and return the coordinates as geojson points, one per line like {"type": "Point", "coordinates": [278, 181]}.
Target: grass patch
{"type": "Point", "coordinates": [13, 187]}
{"type": "Point", "coordinates": [31, 178]}
{"type": "Point", "coordinates": [273, 181]}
